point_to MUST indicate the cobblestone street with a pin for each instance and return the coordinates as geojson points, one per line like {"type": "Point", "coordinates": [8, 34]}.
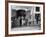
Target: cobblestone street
{"type": "Point", "coordinates": [26, 28]}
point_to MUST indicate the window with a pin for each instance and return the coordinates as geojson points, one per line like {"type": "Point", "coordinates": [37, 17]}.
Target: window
{"type": "Point", "coordinates": [37, 9]}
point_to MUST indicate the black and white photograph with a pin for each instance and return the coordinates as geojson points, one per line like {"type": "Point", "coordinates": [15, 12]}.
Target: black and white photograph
{"type": "Point", "coordinates": [25, 18]}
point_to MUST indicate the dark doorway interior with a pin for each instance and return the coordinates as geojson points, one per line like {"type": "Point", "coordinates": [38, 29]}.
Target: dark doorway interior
{"type": "Point", "coordinates": [21, 13]}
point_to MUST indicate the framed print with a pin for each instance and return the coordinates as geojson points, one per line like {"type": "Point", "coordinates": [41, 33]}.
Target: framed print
{"type": "Point", "coordinates": [25, 18]}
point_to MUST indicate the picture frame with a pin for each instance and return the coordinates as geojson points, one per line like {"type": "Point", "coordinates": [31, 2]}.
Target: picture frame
{"type": "Point", "coordinates": [13, 6]}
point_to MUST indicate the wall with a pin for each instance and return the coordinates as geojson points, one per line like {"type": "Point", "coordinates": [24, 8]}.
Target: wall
{"type": "Point", "coordinates": [2, 19]}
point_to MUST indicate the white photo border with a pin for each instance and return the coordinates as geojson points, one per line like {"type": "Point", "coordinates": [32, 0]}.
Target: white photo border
{"type": "Point", "coordinates": [20, 32]}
